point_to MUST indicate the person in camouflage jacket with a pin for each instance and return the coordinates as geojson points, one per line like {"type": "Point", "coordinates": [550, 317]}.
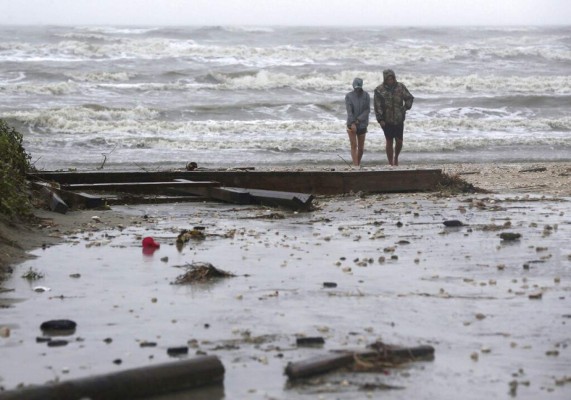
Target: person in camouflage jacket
{"type": "Point", "coordinates": [392, 100]}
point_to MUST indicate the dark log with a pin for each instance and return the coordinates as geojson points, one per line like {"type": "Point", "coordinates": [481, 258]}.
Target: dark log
{"type": "Point", "coordinates": [318, 365]}
{"type": "Point", "coordinates": [322, 364]}
{"type": "Point", "coordinates": [131, 384]}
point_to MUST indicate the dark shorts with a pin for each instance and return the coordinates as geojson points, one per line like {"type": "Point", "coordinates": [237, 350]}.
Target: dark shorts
{"type": "Point", "coordinates": [360, 131]}
{"type": "Point", "coordinates": [393, 131]}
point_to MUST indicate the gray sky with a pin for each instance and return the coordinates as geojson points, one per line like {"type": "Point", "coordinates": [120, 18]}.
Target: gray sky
{"type": "Point", "coordinates": [286, 12]}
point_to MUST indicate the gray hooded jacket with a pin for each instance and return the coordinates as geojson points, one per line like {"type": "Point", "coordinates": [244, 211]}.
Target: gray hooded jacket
{"type": "Point", "coordinates": [358, 108]}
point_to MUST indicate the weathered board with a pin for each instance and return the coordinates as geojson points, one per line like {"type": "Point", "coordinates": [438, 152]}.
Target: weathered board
{"type": "Point", "coordinates": [312, 182]}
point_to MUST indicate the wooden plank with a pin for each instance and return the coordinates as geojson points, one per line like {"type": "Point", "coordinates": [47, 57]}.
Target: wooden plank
{"type": "Point", "coordinates": [228, 195]}
{"type": "Point", "coordinates": [313, 182]}
{"type": "Point", "coordinates": [138, 187]}
{"type": "Point", "coordinates": [72, 199]}
{"type": "Point", "coordinates": [295, 201]}
{"type": "Point", "coordinates": [329, 362]}
{"type": "Point", "coordinates": [55, 203]}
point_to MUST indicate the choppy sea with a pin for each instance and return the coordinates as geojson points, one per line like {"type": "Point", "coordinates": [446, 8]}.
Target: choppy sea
{"type": "Point", "coordinates": [158, 97]}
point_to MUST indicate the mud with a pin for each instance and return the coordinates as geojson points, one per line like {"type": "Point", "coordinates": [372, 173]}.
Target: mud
{"type": "Point", "coordinates": [496, 311]}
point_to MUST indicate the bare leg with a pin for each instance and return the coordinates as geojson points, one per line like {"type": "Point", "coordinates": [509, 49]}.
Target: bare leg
{"type": "Point", "coordinates": [352, 132]}
{"type": "Point", "coordinates": [361, 147]}
{"type": "Point", "coordinates": [389, 149]}
{"type": "Point", "coordinates": [398, 148]}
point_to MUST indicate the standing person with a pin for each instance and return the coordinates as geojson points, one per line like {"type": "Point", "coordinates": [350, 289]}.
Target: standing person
{"type": "Point", "coordinates": [358, 103]}
{"type": "Point", "coordinates": [392, 101]}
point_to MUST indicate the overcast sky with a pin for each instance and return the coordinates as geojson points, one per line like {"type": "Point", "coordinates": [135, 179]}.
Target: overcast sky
{"type": "Point", "coordinates": [286, 12]}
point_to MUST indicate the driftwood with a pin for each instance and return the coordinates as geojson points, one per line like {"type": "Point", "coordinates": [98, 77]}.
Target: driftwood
{"type": "Point", "coordinates": [386, 354]}
{"type": "Point", "coordinates": [131, 384]}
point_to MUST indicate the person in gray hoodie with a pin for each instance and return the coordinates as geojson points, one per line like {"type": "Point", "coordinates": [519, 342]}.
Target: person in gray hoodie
{"type": "Point", "coordinates": [392, 101]}
{"type": "Point", "coordinates": [358, 103]}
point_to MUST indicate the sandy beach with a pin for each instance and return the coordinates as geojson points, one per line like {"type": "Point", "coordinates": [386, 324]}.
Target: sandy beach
{"type": "Point", "coordinates": [496, 311]}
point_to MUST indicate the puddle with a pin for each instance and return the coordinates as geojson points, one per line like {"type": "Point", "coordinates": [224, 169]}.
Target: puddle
{"type": "Point", "coordinates": [402, 277]}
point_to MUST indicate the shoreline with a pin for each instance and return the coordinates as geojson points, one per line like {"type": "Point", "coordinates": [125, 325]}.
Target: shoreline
{"type": "Point", "coordinates": [400, 275]}
{"type": "Point", "coordinates": [540, 178]}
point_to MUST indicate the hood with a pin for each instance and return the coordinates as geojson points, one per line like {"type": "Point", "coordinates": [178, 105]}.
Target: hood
{"type": "Point", "coordinates": [387, 73]}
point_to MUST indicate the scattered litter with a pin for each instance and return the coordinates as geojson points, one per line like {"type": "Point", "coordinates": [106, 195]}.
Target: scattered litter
{"type": "Point", "coordinates": [201, 272]}
{"type": "Point", "coordinates": [149, 242]}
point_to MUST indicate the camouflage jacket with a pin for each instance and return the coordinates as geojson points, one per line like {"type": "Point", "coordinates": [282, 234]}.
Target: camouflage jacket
{"type": "Point", "coordinates": [391, 104]}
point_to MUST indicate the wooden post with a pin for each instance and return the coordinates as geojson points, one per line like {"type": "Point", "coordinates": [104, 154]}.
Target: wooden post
{"type": "Point", "coordinates": [131, 384]}
{"type": "Point", "coordinates": [322, 364]}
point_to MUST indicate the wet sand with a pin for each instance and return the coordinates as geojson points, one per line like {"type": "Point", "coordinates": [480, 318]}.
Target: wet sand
{"type": "Point", "coordinates": [496, 312]}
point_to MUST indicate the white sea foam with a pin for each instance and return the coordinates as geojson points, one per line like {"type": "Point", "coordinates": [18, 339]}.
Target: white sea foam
{"type": "Point", "coordinates": [100, 76]}
{"type": "Point", "coordinates": [142, 120]}
{"type": "Point", "coordinates": [278, 93]}
{"type": "Point", "coordinates": [60, 88]}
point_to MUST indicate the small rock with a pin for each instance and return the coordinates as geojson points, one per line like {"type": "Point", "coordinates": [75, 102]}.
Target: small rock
{"type": "Point", "coordinates": [59, 327]}
{"type": "Point", "coordinates": [510, 236]}
{"type": "Point", "coordinates": [329, 284]}
{"type": "Point", "coordinates": [57, 343]}
{"type": "Point", "coordinates": [536, 296]}
{"type": "Point", "coordinates": [310, 341]}
{"type": "Point", "coordinates": [177, 351]}
{"type": "Point", "coordinates": [453, 223]}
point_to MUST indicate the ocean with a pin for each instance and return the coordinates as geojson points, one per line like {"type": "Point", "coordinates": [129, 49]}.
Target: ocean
{"type": "Point", "coordinates": [152, 98]}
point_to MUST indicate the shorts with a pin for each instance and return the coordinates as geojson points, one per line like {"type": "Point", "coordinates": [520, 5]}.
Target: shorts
{"type": "Point", "coordinates": [393, 131]}
{"type": "Point", "coordinates": [360, 131]}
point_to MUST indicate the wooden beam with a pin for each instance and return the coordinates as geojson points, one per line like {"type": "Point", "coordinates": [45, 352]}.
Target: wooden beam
{"type": "Point", "coordinates": [137, 187]}
{"type": "Point", "coordinates": [329, 362]}
{"type": "Point", "coordinates": [274, 198]}
{"type": "Point", "coordinates": [72, 199]}
{"type": "Point", "coordinates": [313, 182]}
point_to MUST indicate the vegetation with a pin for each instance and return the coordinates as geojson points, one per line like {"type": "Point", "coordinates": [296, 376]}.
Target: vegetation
{"type": "Point", "coordinates": [453, 184]}
{"type": "Point", "coordinates": [14, 164]}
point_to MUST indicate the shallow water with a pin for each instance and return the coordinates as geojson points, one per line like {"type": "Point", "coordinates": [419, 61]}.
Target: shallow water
{"type": "Point", "coordinates": [427, 291]}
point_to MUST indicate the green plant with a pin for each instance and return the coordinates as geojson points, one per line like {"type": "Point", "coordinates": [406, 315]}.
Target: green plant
{"type": "Point", "coordinates": [14, 164]}
{"type": "Point", "coordinates": [32, 275]}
